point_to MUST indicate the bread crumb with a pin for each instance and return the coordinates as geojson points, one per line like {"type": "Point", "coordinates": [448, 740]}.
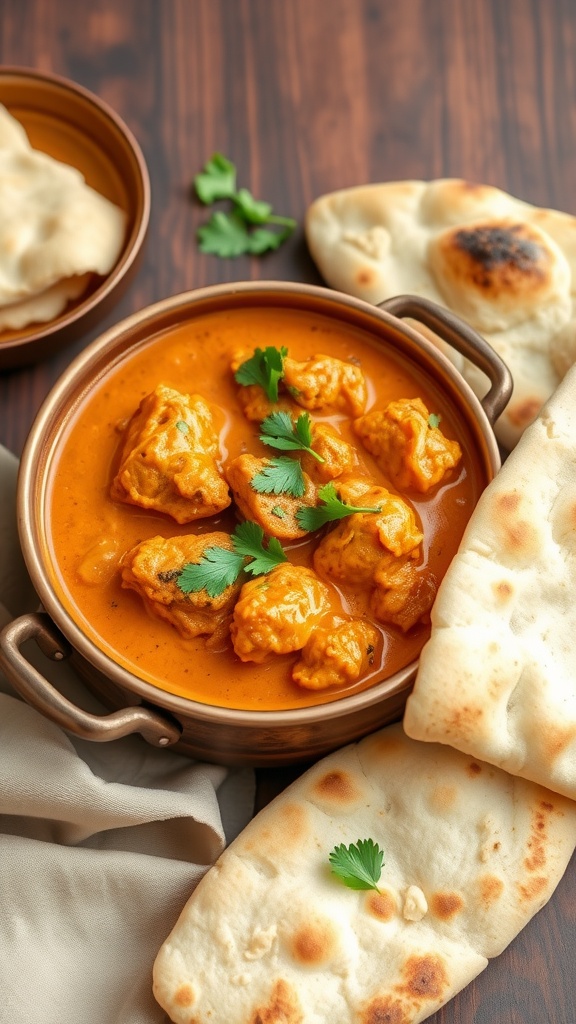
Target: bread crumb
{"type": "Point", "coordinates": [415, 905]}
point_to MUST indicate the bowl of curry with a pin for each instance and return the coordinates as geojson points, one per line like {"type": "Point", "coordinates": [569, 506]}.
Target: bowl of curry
{"type": "Point", "coordinates": [236, 507]}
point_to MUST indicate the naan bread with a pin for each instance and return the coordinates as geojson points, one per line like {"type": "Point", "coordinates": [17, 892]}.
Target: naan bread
{"type": "Point", "coordinates": [506, 267]}
{"type": "Point", "coordinates": [270, 935]}
{"type": "Point", "coordinates": [45, 306]}
{"type": "Point", "coordinates": [53, 227]}
{"type": "Point", "coordinates": [497, 678]}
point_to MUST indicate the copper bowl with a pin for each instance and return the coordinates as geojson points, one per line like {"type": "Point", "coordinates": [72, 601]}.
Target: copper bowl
{"type": "Point", "coordinates": [205, 731]}
{"type": "Point", "coordinates": [72, 125]}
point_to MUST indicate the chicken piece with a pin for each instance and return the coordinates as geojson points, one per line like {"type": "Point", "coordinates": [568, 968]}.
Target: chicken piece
{"type": "Point", "coordinates": [336, 654]}
{"type": "Point", "coordinates": [275, 513]}
{"type": "Point", "coordinates": [404, 594]}
{"type": "Point", "coordinates": [410, 451]}
{"type": "Point", "coordinates": [152, 569]}
{"type": "Point", "coordinates": [277, 613]}
{"type": "Point", "coordinates": [168, 461]}
{"type": "Point", "coordinates": [325, 382]}
{"type": "Point", "coordinates": [352, 551]}
{"type": "Point", "coordinates": [339, 456]}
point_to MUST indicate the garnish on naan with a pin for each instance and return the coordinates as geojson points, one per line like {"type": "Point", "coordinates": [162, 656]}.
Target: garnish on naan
{"type": "Point", "coordinates": [270, 934]}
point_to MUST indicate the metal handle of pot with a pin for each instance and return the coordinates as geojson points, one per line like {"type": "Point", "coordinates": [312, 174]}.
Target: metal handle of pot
{"type": "Point", "coordinates": [465, 340]}
{"type": "Point", "coordinates": [41, 695]}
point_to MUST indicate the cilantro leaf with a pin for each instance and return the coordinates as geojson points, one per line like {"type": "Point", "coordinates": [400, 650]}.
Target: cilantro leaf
{"type": "Point", "coordinates": [183, 427]}
{"type": "Point", "coordinates": [281, 476]}
{"type": "Point", "coordinates": [248, 539]}
{"type": "Point", "coordinates": [234, 233]}
{"type": "Point", "coordinates": [278, 431]}
{"type": "Point", "coordinates": [257, 212]}
{"type": "Point", "coordinates": [225, 234]}
{"type": "Point", "coordinates": [261, 240]}
{"type": "Point", "coordinates": [359, 865]}
{"type": "Point", "coordinates": [217, 569]}
{"type": "Point", "coordinates": [332, 508]}
{"type": "Point", "coordinates": [220, 568]}
{"type": "Point", "coordinates": [434, 419]}
{"type": "Point", "coordinates": [266, 368]}
{"type": "Point", "coordinates": [217, 181]}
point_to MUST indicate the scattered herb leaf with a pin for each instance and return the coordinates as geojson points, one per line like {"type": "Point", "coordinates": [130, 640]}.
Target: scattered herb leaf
{"type": "Point", "coordinates": [217, 180]}
{"type": "Point", "coordinates": [278, 511]}
{"type": "Point", "coordinates": [217, 569]}
{"type": "Point", "coordinates": [266, 368]}
{"type": "Point", "coordinates": [241, 230]}
{"type": "Point", "coordinates": [225, 234]}
{"type": "Point", "coordinates": [281, 476]}
{"type": "Point", "coordinates": [312, 518]}
{"type": "Point", "coordinates": [248, 539]}
{"type": "Point", "coordinates": [278, 431]}
{"type": "Point", "coordinates": [434, 419]}
{"type": "Point", "coordinates": [257, 212]}
{"type": "Point", "coordinates": [220, 568]}
{"type": "Point", "coordinates": [359, 865]}
{"type": "Point", "coordinates": [182, 426]}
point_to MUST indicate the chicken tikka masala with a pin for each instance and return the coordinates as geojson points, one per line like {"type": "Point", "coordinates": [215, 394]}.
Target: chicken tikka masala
{"type": "Point", "coordinates": [255, 509]}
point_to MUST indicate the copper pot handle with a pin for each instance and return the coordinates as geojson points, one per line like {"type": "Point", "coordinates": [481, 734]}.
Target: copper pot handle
{"type": "Point", "coordinates": [465, 340]}
{"type": "Point", "coordinates": [41, 695]}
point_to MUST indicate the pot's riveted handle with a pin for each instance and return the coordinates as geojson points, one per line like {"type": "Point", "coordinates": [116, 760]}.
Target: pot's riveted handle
{"type": "Point", "coordinates": [465, 340]}
{"type": "Point", "coordinates": [41, 695]}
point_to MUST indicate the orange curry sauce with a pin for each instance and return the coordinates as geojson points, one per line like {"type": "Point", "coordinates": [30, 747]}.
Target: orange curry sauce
{"type": "Point", "coordinates": [195, 358]}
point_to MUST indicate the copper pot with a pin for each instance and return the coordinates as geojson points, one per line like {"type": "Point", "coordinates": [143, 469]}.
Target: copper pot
{"type": "Point", "coordinates": [212, 733]}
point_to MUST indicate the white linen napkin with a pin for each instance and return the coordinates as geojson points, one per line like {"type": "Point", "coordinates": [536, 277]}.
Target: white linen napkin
{"type": "Point", "coordinates": [100, 844]}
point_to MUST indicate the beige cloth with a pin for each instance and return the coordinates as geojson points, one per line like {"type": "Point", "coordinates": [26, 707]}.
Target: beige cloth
{"type": "Point", "coordinates": [100, 844]}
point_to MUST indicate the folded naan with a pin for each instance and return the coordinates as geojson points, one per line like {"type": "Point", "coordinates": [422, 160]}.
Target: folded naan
{"type": "Point", "coordinates": [497, 678]}
{"type": "Point", "coordinates": [271, 935]}
{"type": "Point", "coordinates": [55, 230]}
{"type": "Point", "coordinates": [505, 266]}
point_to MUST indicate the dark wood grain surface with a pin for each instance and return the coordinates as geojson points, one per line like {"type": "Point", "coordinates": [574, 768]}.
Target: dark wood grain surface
{"type": "Point", "coordinates": [307, 96]}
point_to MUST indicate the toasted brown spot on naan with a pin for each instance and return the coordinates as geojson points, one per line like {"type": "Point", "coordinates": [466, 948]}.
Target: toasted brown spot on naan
{"type": "Point", "coordinates": [443, 798]}
{"type": "Point", "coordinates": [286, 830]}
{"type": "Point", "coordinates": [523, 413]}
{"type": "Point", "coordinates": [463, 720]}
{"type": "Point", "coordinates": [184, 996]}
{"type": "Point", "coordinates": [497, 257]}
{"type": "Point", "coordinates": [555, 739]}
{"type": "Point", "coordinates": [508, 502]}
{"type": "Point", "coordinates": [474, 769]}
{"type": "Point", "coordinates": [503, 590]}
{"type": "Point", "coordinates": [384, 1010]}
{"type": "Point", "coordinates": [425, 977]}
{"type": "Point", "coordinates": [282, 1008]}
{"type": "Point", "coordinates": [538, 841]}
{"type": "Point", "coordinates": [491, 889]}
{"type": "Point", "coordinates": [314, 943]}
{"type": "Point", "coordinates": [338, 787]}
{"type": "Point", "coordinates": [446, 905]}
{"type": "Point", "coordinates": [365, 277]}
{"type": "Point", "coordinates": [533, 888]}
{"type": "Point", "coordinates": [382, 905]}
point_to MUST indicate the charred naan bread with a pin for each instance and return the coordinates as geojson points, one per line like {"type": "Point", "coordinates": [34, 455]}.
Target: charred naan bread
{"type": "Point", "coordinates": [506, 267]}
{"type": "Point", "coordinates": [270, 935]}
{"type": "Point", "coordinates": [55, 231]}
{"type": "Point", "coordinates": [497, 678]}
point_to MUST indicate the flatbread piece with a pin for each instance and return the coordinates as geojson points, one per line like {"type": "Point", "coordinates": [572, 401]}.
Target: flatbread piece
{"type": "Point", "coordinates": [503, 265]}
{"type": "Point", "coordinates": [497, 678]}
{"type": "Point", "coordinates": [55, 230]}
{"type": "Point", "coordinates": [270, 935]}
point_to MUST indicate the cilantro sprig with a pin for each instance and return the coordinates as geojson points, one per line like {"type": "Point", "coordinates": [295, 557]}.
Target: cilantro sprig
{"type": "Point", "coordinates": [359, 865]}
{"type": "Point", "coordinates": [280, 476]}
{"type": "Point", "coordinates": [312, 518]}
{"type": "Point", "coordinates": [279, 431]}
{"type": "Point", "coordinates": [266, 368]}
{"type": "Point", "coordinates": [434, 419]}
{"type": "Point", "coordinates": [244, 228]}
{"type": "Point", "coordinates": [219, 567]}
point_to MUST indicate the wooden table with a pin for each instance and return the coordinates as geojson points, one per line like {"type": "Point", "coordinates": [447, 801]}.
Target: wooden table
{"type": "Point", "coordinates": [307, 96]}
